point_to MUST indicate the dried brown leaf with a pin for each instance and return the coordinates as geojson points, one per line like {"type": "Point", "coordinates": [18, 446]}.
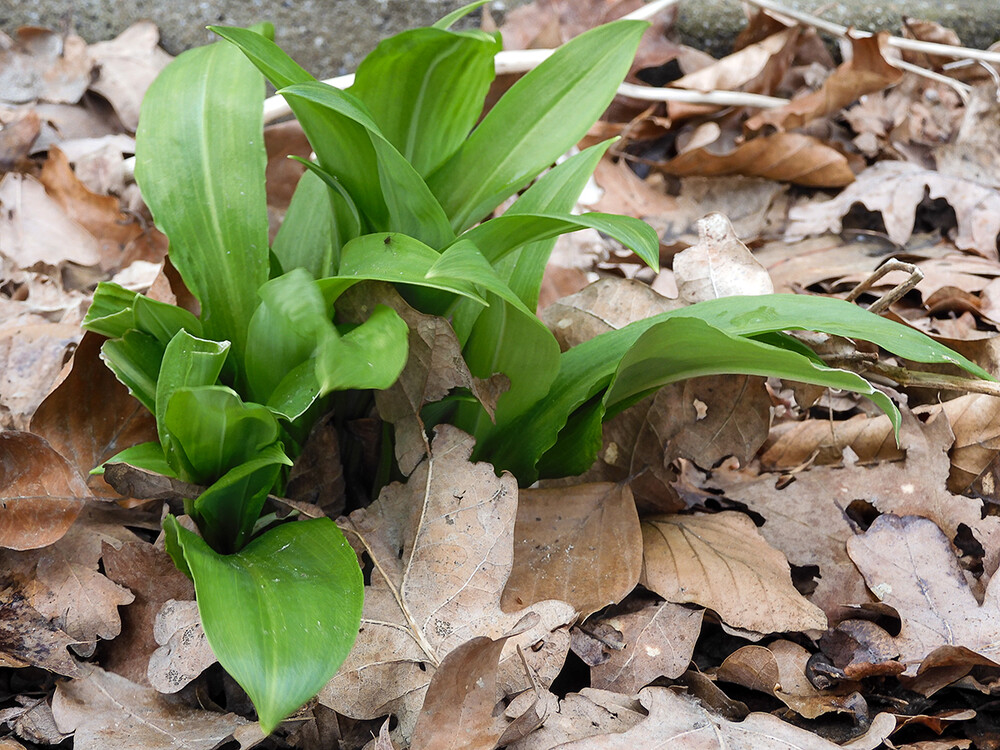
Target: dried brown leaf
{"type": "Point", "coordinates": [18, 131]}
{"type": "Point", "coordinates": [29, 639]}
{"type": "Point", "coordinates": [442, 549]}
{"type": "Point", "coordinates": [895, 189]}
{"type": "Point", "coordinates": [43, 64]}
{"type": "Point", "coordinates": [786, 157]}
{"type": "Point", "coordinates": [581, 544]}
{"type": "Point", "coordinates": [974, 154]}
{"type": "Point", "coordinates": [104, 710]}
{"type": "Point", "coordinates": [720, 265]}
{"type": "Point", "coordinates": [861, 649]}
{"type": "Point", "coordinates": [589, 713]}
{"type": "Point", "coordinates": [32, 353]}
{"type": "Point", "coordinates": [722, 562]}
{"type": "Point", "coordinates": [127, 66]}
{"type": "Point", "coordinates": [42, 493]}
{"type": "Point", "coordinates": [908, 564]}
{"type": "Point", "coordinates": [184, 652]}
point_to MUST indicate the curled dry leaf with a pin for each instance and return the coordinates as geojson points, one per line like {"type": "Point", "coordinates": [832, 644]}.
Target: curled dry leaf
{"type": "Point", "coordinates": [43, 64]}
{"type": "Point", "coordinates": [786, 157]}
{"type": "Point", "coordinates": [42, 494]}
{"type": "Point", "coordinates": [184, 652]}
{"type": "Point", "coordinates": [104, 710]}
{"type": "Point", "coordinates": [90, 416]}
{"type": "Point", "coordinates": [895, 189]}
{"type": "Point", "coordinates": [127, 66]}
{"type": "Point", "coordinates": [442, 549]}
{"type": "Point", "coordinates": [151, 576]}
{"type": "Point", "coordinates": [723, 563]}
{"type": "Point", "coordinates": [861, 649]}
{"type": "Point", "coordinates": [18, 131]}
{"type": "Point", "coordinates": [581, 544]}
{"type": "Point", "coordinates": [29, 639]}
{"type": "Point", "coordinates": [866, 72]}
{"type": "Point", "coordinates": [720, 265]}
{"type": "Point", "coordinates": [659, 640]}
{"type": "Point", "coordinates": [589, 713]}
{"type": "Point", "coordinates": [908, 564]}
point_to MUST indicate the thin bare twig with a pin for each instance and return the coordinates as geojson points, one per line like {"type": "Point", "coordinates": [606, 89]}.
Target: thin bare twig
{"type": "Point", "coordinates": [883, 302]}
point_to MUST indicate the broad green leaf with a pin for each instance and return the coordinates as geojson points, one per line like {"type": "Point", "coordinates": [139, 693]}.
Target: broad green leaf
{"type": "Point", "coordinates": [369, 356]}
{"type": "Point", "coordinates": [458, 14]}
{"type": "Point", "coordinates": [285, 330]}
{"type": "Point", "coordinates": [200, 163]}
{"type": "Point", "coordinates": [426, 88]}
{"type": "Point", "coordinates": [309, 234]}
{"type": "Point", "coordinates": [297, 391]}
{"type": "Point", "coordinates": [187, 361]}
{"type": "Point", "coordinates": [135, 359]}
{"type": "Point", "coordinates": [505, 233]}
{"type": "Point", "coordinates": [586, 370]}
{"type": "Point", "coordinates": [110, 312]}
{"type": "Point", "coordinates": [282, 613]}
{"type": "Point", "coordinates": [536, 121]}
{"type": "Point", "coordinates": [213, 431]}
{"type": "Point", "coordinates": [228, 510]}
{"type": "Point", "coordinates": [389, 191]}
{"type": "Point", "coordinates": [148, 456]}
{"type": "Point", "coordinates": [162, 320]}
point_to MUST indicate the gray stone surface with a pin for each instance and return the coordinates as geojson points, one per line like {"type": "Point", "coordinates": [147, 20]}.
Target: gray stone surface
{"type": "Point", "coordinates": [329, 37]}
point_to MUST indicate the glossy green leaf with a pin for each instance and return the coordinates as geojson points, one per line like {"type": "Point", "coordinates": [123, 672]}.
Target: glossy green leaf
{"type": "Point", "coordinates": [426, 88]}
{"type": "Point", "coordinates": [536, 121]}
{"type": "Point", "coordinates": [369, 356]}
{"type": "Point", "coordinates": [282, 613]}
{"type": "Point", "coordinates": [227, 511]}
{"type": "Point", "coordinates": [135, 359]}
{"type": "Point", "coordinates": [148, 456]}
{"type": "Point", "coordinates": [200, 163]}
{"type": "Point", "coordinates": [163, 321]}
{"type": "Point", "coordinates": [213, 431]}
{"type": "Point", "coordinates": [309, 234]}
{"type": "Point", "coordinates": [110, 312]}
{"type": "Point", "coordinates": [458, 14]}
{"type": "Point", "coordinates": [586, 370]}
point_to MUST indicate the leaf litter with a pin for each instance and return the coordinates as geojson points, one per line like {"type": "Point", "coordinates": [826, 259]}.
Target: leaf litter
{"type": "Point", "coordinates": [746, 564]}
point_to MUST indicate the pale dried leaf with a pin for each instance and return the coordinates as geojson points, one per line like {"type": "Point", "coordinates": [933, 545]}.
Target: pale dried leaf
{"type": "Point", "coordinates": [43, 64]}
{"type": "Point", "coordinates": [895, 189]}
{"type": "Point", "coordinates": [104, 710]}
{"type": "Point", "coordinates": [184, 652]}
{"type": "Point", "coordinates": [722, 562]}
{"type": "Point", "coordinates": [720, 265]}
{"type": "Point", "coordinates": [32, 353]}
{"type": "Point", "coordinates": [581, 544]}
{"type": "Point", "coordinates": [589, 713]}
{"type": "Point", "coordinates": [442, 549]}
{"type": "Point", "coordinates": [29, 639]}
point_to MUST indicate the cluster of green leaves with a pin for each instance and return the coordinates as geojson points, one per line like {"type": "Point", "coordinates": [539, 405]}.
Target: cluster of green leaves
{"type": "Point", "coordinates": [401, 191]}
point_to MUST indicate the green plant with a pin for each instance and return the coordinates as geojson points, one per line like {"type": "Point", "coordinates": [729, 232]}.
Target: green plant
{"type": "Point", "coordinates": [401, 191]}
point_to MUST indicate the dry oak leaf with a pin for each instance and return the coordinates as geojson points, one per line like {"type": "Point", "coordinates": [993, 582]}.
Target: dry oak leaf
{"type": "Point", "coordinates": [104, 710]}
{"type": "Point", "coordinates": [679, 721]}
{"type": "Point", "coordinates": [41, 494]}
{"type": "Point", "coordinates": [720, 265]}
{"type": "Point", "coordinates": [184, 652]}
{"type": "Point", "coordinates": [442, 548]}
{"type": "Point", "coordinates": [581, 544]}
{"type": "Point", "coordinates": [589, 713]}
{"type": "Point", "coordinates": [29, 639]}
{"type": "Point", "coordinates": [658, 642]}
{"type": "Point", "coordinates": [909, 564]}
{"type": "Point", "coordinates": [786, 157]}
{"type": "Point", "coordinates": [895, 189]}
{"type": "Point", "coordinates": [866, 72]}
{"type": "Point", "coordinates": [723, 563]}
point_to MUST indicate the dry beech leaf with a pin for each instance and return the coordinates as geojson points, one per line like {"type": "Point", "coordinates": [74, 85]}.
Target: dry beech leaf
{"type": "Point", "coordinates": [581, 544]}
{"type": "Point", "coordinates": [679, 721]}
{"type": "Point", "coordinates": [104, 710]}
{"type": "Point", "coordinates": [19, 129]}
{"type": "Point", "coordinates": [35, 230]}
{"type": "Point", "coordinates": [184, 652]}
{"type": "Point", "coordinates": [974, 154]}
{"type": "Point", "coordinates": [786, 157]}
{"type": "Point", "coordinates": [720, 265]}
{"type": "Point", "coordinates": [128, 64]}
{"type": "Point", "coordinates": [607, 304]}
{"type": "Point", "coordinates": [32, 721]}
{"type": "Point", "coordinates": [659, 640]}
{"type": "Point", "coordinates": [43, 64]}
{"type": "Point", "coordinates": [723, 563]}
{"type": "Point", "coordinates": [866, 72]}
{"type": "Point", "coordinates": [909, 564]}
{"type": "Point", "coordinates": [780, 670]}
{"type": "Point", "coordinates": [42, 494]}
{"type": "Point", "coordinates": [589, 713]}
{"type": "Point", "coordinates": [895, 189]}
{"type": "Point", "coordinates": [90, 416]}
{"type": "Point", "coordinates": [29, 639]}
{"type": "Point", "coordinates": [442, 549]}
{"type": "Point", "coordinates": [434, 367]}
{"type": "Point", "coordinates": [861, 649]}
{"type": "Point", "coordinates": [149, 573]}
{"type": "Point", "coordinates": [458, 708]}
{"type": "Point", "coordinates": [624, 192]}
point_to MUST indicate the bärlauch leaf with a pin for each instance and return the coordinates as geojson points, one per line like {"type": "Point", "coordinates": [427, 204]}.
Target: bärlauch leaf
{"type": "Point", "coordinates": [282, 613]}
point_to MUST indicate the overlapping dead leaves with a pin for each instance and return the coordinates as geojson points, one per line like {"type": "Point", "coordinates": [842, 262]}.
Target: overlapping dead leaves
{"type": "Point", "coordinates": [748, 563]}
